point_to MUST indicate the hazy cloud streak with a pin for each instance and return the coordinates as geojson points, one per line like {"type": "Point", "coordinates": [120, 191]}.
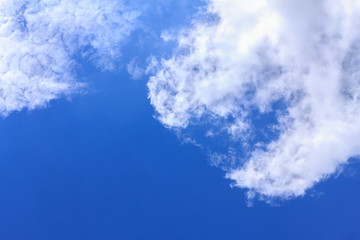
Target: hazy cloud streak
{"type": "Point", "coordinates": [41, 39]}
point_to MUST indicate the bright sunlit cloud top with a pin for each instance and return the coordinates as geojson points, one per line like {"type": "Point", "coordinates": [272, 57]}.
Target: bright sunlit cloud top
{"type": "Point", "coordinates": [253, 58]}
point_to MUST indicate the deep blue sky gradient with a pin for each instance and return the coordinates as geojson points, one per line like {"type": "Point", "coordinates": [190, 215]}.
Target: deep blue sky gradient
{"type": "Point", "coordinates": [101, 167]}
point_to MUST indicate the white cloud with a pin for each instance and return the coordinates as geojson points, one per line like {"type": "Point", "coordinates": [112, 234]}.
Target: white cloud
{"type": "Point", "coordinates": [40, 40]}
{"type": "Point", "coordinates": [248, 58]}
{"type": "Point", "coordinates": [135, 71]}
{"type": "Point", "coordinates": [166, 36]}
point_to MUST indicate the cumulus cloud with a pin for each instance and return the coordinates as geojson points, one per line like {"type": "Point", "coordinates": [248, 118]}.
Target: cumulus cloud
{"type": "Point", "coordinates": [41, 40]}
{"type": "Point", "coordinates": [278, 81]}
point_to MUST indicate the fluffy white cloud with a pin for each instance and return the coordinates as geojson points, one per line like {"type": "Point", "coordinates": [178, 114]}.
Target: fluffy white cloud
{"type": "Point", "coordinates": [243, 62]}
{"type": "Point", "coordinates": [40, 40]}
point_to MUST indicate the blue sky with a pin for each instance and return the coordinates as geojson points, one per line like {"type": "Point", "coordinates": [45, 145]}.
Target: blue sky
{"type": "Point", "coordinates": [190, 148]}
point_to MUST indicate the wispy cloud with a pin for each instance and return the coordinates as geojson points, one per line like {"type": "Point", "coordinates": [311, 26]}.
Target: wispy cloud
{"type": "Point", "coordinates": [136, 72]}
{"type": "Point", "coordinates": [40, 41]}
{"type": "Point", "coordinates": [294, 61]}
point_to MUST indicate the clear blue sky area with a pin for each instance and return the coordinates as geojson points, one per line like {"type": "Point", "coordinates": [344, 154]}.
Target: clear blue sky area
{"type": "Point", "coordinates": [100, 166]}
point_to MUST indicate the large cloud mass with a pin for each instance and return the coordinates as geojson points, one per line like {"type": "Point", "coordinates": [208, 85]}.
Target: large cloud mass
{"type": "Point", "coordinates": [297, 62]}
{"type": "Point", "coordinates": [40, 40]}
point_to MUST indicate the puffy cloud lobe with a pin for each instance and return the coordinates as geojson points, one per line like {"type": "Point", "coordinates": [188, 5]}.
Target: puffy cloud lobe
{"type": "Point", "coordinates": [40, 40]}
{"type": "Point", "coordinates": [304, 54]}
